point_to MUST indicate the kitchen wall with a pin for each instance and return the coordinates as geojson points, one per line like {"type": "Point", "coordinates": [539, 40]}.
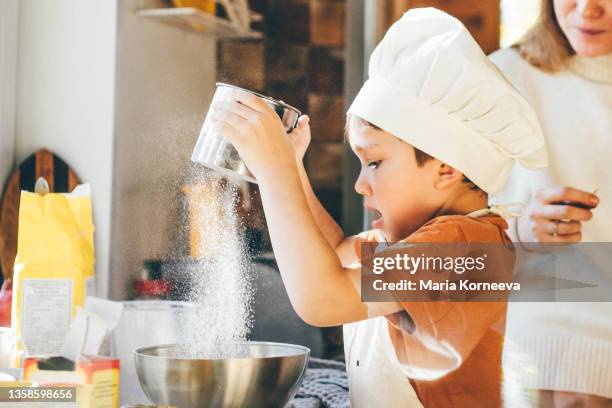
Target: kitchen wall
{"type": "Point", "coordinates": [65, 97]}
{"type": "Point", "coordinates": [301, 61]}
{"type": "Point", "coordinates": [165, 81]}
{"type": "Point", "coordinates": [481, 17]}
{"type": "Point", "coordinates": [8, 65]}
{"type": "Point", "coordinates": [121, 99]}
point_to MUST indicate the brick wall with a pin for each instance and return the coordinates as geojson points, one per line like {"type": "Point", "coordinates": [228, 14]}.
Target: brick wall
{"type": "Point", "coordinates": [481, 17]}
{"type": "Point", "coordinates": [301, 62]}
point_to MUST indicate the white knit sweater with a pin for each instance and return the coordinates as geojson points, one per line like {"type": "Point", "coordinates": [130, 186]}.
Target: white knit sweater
{"type": "Point", "coordinates": [564, 346]}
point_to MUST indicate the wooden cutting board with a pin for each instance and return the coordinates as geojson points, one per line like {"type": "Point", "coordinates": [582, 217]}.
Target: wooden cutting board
{"type": "Point", "coordinates": [43, 163]}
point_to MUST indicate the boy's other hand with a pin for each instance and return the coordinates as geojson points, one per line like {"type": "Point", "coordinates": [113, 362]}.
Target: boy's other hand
{"type": "Point", "coordinates": [556, 214]}
{"type": "Point", "coordinates": [300, 137]}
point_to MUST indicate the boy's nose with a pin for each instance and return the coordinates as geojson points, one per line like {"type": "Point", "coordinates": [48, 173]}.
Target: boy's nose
{"type": "Point", "coordinates": [362, 186]}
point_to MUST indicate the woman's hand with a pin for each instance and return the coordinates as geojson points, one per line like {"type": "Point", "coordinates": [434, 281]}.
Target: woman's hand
{"type": "Point", "coordinates": [257, 133]}
{"type": "Point", "coordinates": [300, 137]}
{"type": "Point", "coordinates": [556, 214]}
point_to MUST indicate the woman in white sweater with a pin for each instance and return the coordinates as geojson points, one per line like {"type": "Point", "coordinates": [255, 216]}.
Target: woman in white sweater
{"type": "Point", "coordinates": [560, 354]}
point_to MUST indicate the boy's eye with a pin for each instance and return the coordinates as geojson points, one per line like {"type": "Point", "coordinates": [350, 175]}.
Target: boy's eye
{"type": "Point", "coordinates": [374, 164]}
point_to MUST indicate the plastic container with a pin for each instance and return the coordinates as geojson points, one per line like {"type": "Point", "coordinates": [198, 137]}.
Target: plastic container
{"type": "Point", "coordinates": [7, 346]}
{"type": "Point", "coordinates": [147, 323]}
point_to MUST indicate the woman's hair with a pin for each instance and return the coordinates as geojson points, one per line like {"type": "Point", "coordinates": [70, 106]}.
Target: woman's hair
{"type": "Point", "coordinates": [355, 122]}
{"type": "Point", "coordinates": [545, 46]}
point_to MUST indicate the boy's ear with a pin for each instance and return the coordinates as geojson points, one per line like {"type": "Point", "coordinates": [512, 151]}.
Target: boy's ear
{"type": "Point", "coordinates": [447, 176]}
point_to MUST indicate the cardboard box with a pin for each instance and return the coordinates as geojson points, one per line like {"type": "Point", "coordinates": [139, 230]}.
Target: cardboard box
{"type": "Point", "coordinates": [96, 377]}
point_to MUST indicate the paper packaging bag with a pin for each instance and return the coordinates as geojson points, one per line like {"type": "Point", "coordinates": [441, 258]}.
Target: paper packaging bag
{"type": "Point", "coordinates": [53, 268]}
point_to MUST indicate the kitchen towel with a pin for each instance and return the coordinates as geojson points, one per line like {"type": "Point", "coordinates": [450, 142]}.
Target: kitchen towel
{"type": "Point", "coordinates": [325, 385]}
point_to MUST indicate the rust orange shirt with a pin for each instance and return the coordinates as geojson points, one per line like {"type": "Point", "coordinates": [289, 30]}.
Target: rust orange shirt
{"type": "Point", "coordinates": [470, 334]}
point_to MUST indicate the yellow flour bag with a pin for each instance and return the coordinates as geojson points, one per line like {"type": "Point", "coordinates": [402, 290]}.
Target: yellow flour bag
{"type": "Point", "coordinates": [53, 268]}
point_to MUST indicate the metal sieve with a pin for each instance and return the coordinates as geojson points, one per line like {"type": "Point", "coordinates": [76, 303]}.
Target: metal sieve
{"type": "Point", "coordinates": [214, 151]}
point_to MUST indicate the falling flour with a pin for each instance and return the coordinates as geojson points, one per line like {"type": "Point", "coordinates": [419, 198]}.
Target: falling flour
{"type": "Point", "coordinates": [220, 287]}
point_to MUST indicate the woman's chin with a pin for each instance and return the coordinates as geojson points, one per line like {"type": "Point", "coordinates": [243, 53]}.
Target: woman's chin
{"type": "Point", "coordinates": [592, 47]}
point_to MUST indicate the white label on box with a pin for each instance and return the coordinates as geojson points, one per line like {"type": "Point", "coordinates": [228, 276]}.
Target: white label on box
{"type": "Point", "coordinates": [46, 307]}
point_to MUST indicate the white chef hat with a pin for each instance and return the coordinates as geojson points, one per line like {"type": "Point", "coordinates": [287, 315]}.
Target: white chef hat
{"type": "Point", "coordinates": [431, 85]}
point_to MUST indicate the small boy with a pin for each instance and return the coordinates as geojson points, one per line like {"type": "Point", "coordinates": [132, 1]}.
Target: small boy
{"type": "Point", "coordinates": [436, 127]}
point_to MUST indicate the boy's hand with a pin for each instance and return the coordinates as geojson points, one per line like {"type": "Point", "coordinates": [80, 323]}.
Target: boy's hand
{"type": "Point", "coordinates": [300, 137]}
{"type": "Point", "coordinates": [257, 132]}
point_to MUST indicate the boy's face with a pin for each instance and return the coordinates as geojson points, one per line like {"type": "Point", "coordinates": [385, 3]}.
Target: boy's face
{"type": "Point", "coordinates": [402, 195]}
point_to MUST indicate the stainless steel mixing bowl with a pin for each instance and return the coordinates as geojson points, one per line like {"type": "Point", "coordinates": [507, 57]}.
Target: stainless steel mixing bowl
{"type": "Point", "coordinates": [268, 378]}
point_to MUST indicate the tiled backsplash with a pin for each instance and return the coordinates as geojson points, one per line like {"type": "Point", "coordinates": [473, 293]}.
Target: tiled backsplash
{"type": "Point", "coordinates": [300, 61]}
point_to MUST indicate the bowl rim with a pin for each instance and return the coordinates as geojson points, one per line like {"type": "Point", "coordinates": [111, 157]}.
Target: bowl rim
{"type": "Point", "coordinates": [305, 351]}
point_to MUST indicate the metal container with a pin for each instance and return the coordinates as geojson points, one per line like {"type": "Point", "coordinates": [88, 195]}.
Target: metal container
{"type": "Point", "coordinates": [215, 152]}
{"type": "Point", "coordinates": [268, 378]}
